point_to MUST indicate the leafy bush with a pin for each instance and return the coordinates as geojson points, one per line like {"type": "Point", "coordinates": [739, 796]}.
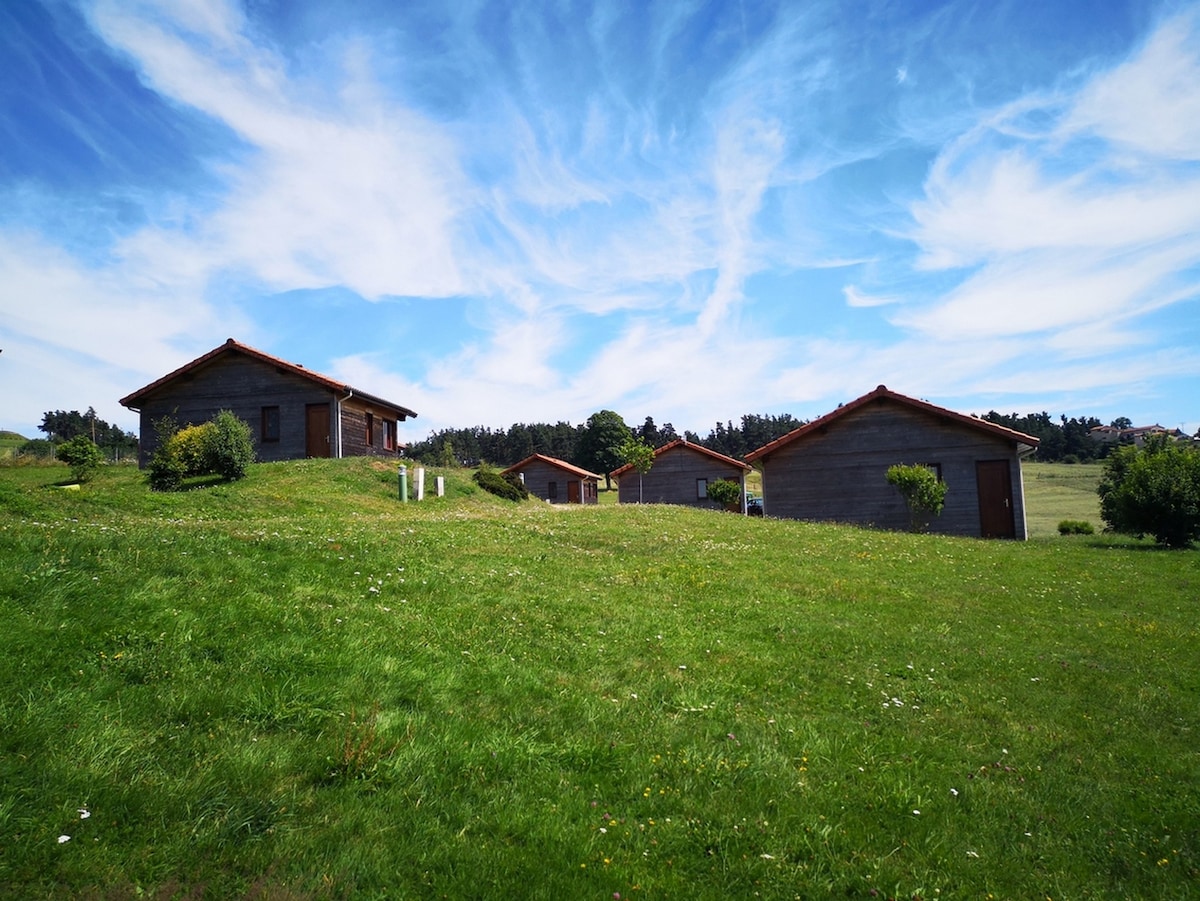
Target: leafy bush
{"type": "Point", "coordinates": [1153, 490]}
{"type": "Point", "coordinates": [724, 492]}
{"type": "Point", "coordinates": [508, 487]}
{"type": "Point", "coordinates": [229, 447]}
{"type": "Point", "coordinates": [222, 446]}
{"type": "Point", "coordinates": [82, 455]}
{"type": "Point", "coordinates": [1075, 527]}
{"type": "Point", "coordinates": [922, 490]}
{"type": "Point", "coordinates": [166, 469]}
{"type": "Point", "coordinates": [191, 445]}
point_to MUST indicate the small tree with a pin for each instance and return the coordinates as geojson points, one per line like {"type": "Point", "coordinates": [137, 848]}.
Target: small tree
{"type": "Point", "coordinates": [724, 492]}
{"type": "Point", "coordinates": [599, 446]}
{"type": "Point", "coordinates": [923, 492]}
{"type": "Point", "coordinates": [639, 455]}
{"type": "Point", "coordinates": [1153, 490]}
{"type": "Point", "coordinates": [82, 455]}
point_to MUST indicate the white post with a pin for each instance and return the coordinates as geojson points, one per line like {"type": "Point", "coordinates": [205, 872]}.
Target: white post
{"type": "Point", "coordinates": [440, 483]}
{"type": "Point", "coordinates": [419, 478]}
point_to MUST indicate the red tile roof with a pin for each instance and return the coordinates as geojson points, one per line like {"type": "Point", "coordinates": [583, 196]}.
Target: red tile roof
{"type": "Point", "coordinates": [551, 461]}
{"type": "Point", "coordinates": [230, 346]}
{"type": "Point", "coordinates": [882, 393]}
{"type": "Point", "coordinates": [683, 442]}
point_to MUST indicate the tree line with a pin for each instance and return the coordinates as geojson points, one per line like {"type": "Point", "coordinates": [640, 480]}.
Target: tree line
{"type": "Point", "coordinates": [593, 445]}
{"type": "Point", "coordinates": [61, 427]}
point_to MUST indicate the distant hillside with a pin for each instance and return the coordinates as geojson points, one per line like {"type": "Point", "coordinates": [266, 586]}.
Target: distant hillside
{"type": "Point", "coordinates": [9, 442]}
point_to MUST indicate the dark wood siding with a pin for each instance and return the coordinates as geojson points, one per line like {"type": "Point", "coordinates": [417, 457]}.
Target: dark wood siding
{"type": "Point", "coordinates": [672, 479]}
{"type": "Point", "coordinates": [243, 385]}
{"type": "Point", "coordinates": [838, 473]}
{"type": "Point", "coordinates": [539, 474]}
{"type": "Point", "coordinates": [354, 430]}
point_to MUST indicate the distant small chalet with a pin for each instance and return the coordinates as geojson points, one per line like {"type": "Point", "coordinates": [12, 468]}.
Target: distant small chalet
{"type": "Point", "coordinates": [680, 474]}
{"type": "Point", "coordinates": [293, 412]}
{"type": "Point", "coordinates": [557, 481]}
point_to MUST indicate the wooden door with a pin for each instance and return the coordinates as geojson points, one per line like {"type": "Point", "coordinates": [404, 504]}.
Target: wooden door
{"type": "Point", "coordinates": [573, 493]}
{"type": "Point", "coordinates": [316, 431]}
{"type": "Point", "coordinates": [993, 480]}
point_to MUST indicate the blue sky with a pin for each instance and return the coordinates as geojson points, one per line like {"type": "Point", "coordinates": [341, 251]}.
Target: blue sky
{"type": "Point", "coordinates": [526, 212]}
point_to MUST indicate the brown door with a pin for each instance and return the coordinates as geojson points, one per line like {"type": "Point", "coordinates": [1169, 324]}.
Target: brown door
{"type": "Point", "coordinates": [994, 482]}
{"type": "Point", "coordinates": [316, 431]}
{"type": "Point", "coordinates": [572, 492]}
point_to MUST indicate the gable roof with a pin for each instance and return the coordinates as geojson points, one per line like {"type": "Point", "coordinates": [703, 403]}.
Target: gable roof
{"type": "Point", "coordinates": [684, 443]}
{"type": "Point", "coordinates": [134, 400]}
{"type": "Point", "coordinates": [883, 394]}
{"type": "Point", "coordinates": [551, 461]}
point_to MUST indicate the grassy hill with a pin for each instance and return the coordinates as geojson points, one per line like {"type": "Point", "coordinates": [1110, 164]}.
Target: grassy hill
{"type": "Point", "coordinates": [294, 687]}
{"type": "Point", "coordinates": [9, 442]}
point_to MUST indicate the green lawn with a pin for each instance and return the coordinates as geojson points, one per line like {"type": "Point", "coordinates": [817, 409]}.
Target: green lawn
{"type": "Point", "coordinates": [1058, 491]}
{"type": "Point", "coordinates": [294, 687]}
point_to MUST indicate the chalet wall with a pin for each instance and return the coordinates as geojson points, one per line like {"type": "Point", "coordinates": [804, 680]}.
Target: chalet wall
{"type": "Point", "coordinates": [838, 473]}
{"type": "Point", "coordinates": [539, 474]}
{"type": "Point", "coordinates": [354, 431]}
{"type": "Point", "coordinates": [243, 385]}
{"type": "Point", "coordinates": [672, 479]}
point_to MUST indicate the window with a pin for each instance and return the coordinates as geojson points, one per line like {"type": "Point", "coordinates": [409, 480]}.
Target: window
{"type": "Point", "coordinates": [389, 434]}
{"type": "Point", "coordinates": [701, 488]}
{"type": "Point", "coordinates": [370, 430]}
{"type": "Point", "coordinates": [552, 490]}
{"type": "Point", "coordinates": [935, 468]}
{"type": "Point", "coordinates": [270, 423]}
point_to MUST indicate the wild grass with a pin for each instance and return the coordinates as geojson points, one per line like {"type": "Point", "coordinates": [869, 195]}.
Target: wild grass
{"type": "Point", "coordinates": [295, 687]}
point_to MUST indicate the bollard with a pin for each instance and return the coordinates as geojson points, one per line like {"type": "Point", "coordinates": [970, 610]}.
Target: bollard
{"type": "Point", "coordinates": [403, 484]}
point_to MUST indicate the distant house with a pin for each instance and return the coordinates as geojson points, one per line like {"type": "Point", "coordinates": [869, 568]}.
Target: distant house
{"type": "Point", "coordinates": [293, 412]}
{"type": "Point", "coordinates": [834, 468]}
{"type": "Point", "coordinates": [556, 480]}
{"type": "Point", "coordinates": [1107, 434]}
{"type": "Point", "coordinates": [680, 474]}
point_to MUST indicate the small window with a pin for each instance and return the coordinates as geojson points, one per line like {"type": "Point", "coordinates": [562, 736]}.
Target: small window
{"type": "Point", "coordinates": [270, 423]}
{"type": "Point", "coordinates": [370, 430]}
{"type": "Point", "coordinates": [552, 490]}
{"type": "Point", "coordinates": [701, 488]}
{"type": "Point", "coordinates": [389, 434]}
{"type": "Point", "coordinates": [935, 468]}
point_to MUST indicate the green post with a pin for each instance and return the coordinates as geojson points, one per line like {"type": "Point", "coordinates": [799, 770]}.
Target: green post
{"type": "Point", "coordinates": [403, 484]}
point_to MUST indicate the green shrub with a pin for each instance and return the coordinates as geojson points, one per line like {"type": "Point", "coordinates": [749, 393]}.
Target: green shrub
{"type": "Point", "coordinates": [166, 469]}
{"type": "Point", "coordinates": [229, 446]}
{"type": "Point", "coordinates": [922, 490]}
{"type": "Point", "coordinates": [1075, 527]}
{"type": "Point", "coordinates": [223, 446]}
{"type": "Point", "coordinates": [508, 487]}
{"type": "Point", "coordinates": [1153, 490]}
{"type": "Point", "coordinates": [190, 444]}
{"type": "Point", "coordinates": [82, 455]}
{"type": "Point", "coordinates": [724, 492]}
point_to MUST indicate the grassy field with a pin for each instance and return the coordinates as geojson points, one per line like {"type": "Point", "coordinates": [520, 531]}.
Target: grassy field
{"type": "Point", "coordinates": [293, 687]}
{"type": "Point", "coordinates": [1058, 491]}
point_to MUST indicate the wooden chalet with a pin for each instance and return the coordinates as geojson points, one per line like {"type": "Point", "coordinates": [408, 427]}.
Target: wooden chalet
{"type": "Point", "coordinates": [834, 468]}
{"type": "Point", "coordinates": [556, 480]}
{"type": "Point", "coordinates": [293, 412]}
{"type": "Point", "coordinates": [680, 474]}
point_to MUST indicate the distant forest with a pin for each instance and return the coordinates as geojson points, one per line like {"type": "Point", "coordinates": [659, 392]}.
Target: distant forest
{"type": "Point", "coordinates": [61, 426]}
{"type": "Point", "coordinates": [1061, 440]}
